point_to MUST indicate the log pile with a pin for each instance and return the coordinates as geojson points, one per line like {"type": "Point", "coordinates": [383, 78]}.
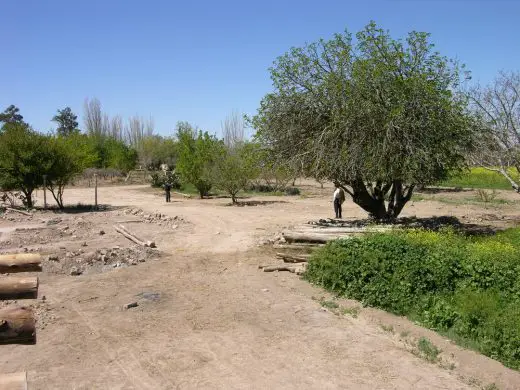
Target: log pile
{"type": "Point", "coordinates": [302, 239]}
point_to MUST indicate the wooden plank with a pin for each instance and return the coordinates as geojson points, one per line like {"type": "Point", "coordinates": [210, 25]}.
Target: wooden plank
{"type": "Point", "coordinates": [20, 262]}
{"type": "Point", "coordinates": [17, 326]}
{"type": "Point", "coordinates": [15, 381]}
{"type": "Point", "coordinates": [18, 287]}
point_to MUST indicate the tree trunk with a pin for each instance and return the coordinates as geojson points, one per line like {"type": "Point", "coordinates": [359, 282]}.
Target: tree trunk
{"type": "Point", "coordinates": [13, 287]}
{"type": "Point", "coordinates": [17, 326]}
{"type": "Point", "coordinates": [28, 199]}
{"type": "Point", "coordinates": [371, 198]}
{"type": "Point", "coordinates": [21, 262]}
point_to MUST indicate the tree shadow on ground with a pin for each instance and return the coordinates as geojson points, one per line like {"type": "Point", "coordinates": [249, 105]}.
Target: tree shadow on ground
{"type": "Point", "coordinates": [438, 190]}
{"type": "Point", "coordinates": [82, 208]}
{"type": "Point", "coordinates": [430, 223]}
{"type": "Point", "coordinates": [243, 203]}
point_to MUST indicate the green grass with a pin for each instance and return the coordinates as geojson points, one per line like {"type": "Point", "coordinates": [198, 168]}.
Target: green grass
{"type": "Point", "coordinates": [329, 304]}
{"type": "Point", "coordinates": [427, 350]}
{"type": "Point", "coordinates": [466, 288]}
{"type": "Point", "coordinates": [475, 200]}
{"type": "Point", "coordinates": [352, 311]}
{"type": "Point", "coordinates": [480, 178]}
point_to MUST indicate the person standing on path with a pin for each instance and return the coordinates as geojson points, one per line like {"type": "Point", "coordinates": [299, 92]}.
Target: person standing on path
{"type": "Point", "coordinates": [338, 199]}
{"type": "Point", "coordinates": [167, 189]}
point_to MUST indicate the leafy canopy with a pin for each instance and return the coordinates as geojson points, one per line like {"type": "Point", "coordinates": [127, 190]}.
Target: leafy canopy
{"type": "Point", "coordinates": [377, 115]}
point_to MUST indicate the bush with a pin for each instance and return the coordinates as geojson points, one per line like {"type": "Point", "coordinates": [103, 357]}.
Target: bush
{"type": "Point", "coordinates": [468, 288]}
{"type": "Point", "coordinates": [292, 191]}
{"type": "Point", "coordinates": [159, 179]}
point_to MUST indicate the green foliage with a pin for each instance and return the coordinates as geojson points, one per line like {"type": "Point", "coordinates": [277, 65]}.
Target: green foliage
{"type": "Point", "coordinates": [467, 288]}
{"type": "Point", "coordinates": [234, 168]}
{"type": "Point", "coordinates": [25, 156]}
{"type": "Point", "coordinates": [481, 178]}
{"type": "Point", "coordinates": [11, 115]}
{"type": "Point", "coordinates": [156, 150]}
{"type": "Point", "coordinates": [160, 178]}
{"type": "Point", "coordinates": [111, 153]}
{"type": "Point", "coordinates": [427, 350]}
{"type": "Point", "coordinates": [197, 154]}
{"type": "Point", "coordinates": [379, 116]}
{"type": "Point", "coordinates": [67, 122]}
{"type": "Point", "coordinates": [71, 155]}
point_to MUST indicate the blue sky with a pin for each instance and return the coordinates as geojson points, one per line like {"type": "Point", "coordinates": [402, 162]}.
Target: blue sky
{"type": "Point", "coordinates": [199, 60]}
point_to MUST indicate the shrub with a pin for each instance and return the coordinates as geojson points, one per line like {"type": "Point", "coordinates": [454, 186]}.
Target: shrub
{"type": "Point", "coordinates": [468, 288]}
{"type": "Point", "coordinates": [292, 191]}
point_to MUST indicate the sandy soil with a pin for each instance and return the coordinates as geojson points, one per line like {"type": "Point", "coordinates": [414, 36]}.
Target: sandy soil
{"type": "Point", "coordinates": [207, 317]}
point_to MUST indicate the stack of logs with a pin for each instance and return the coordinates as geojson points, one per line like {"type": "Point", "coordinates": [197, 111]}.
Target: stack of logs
{"type": "Point", "coordinates": [299, 242]}
{"type": "Point", "coordinates": [17, 323]}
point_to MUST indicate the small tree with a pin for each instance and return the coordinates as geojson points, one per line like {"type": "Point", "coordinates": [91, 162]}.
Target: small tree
{"type": "Point", "coordinates": [70, 156]}
{"type": "Point", "coordinates": [197, 154]}
{"type": "Point", "coordinates": [378, 116]}
{"type": "Point", "coordinates": [497, 109]}
{"type": "Point", "coordinates": [233, 170]}
{"type": "Point", "coordinates": [67, 122]}
{"type": "Point", "coordinates": [25, 157]}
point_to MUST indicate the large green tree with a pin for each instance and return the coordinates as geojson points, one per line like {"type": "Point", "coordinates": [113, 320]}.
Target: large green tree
{"type": "Point", "coordinates": [67, 122]}
{"type": "Point", "coordinates": [378, 115]}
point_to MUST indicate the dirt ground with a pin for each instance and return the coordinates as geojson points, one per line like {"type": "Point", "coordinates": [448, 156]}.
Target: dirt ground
{"type": "Point", "coordinates": [207, 317]}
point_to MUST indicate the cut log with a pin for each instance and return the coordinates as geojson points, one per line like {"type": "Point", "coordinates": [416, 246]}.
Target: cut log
{"type": "Point", "coordinates": [121, 229]}
{"type": "Point", "coordinates": [345, 230]}
{"type": "Point", "coordinates": [16, 381]}
{"type": "Point", "coordinates": [311, 237]}
{"type": "Point", "coordinates": [19, 211]}
{"type": "Point", "coordinates": [17, 326]}
{"type": "Point", "coordinates": [298, 245]}
{"type": "Point", "coordinates": [13, 287]}
{"type": "Point", "coordinates": [288, 258]}
{"type": "Point", "coordinates": [20, 262]}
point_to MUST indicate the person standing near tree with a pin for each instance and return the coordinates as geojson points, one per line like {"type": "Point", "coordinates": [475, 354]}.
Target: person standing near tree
{"type": "Point", "coordinates": [167, 189]}
{"type": "Point", "coordinates": [338, 199]}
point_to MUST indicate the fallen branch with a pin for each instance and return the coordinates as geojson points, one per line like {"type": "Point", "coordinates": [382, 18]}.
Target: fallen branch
{"type": "Point", "coordinates": [19, 211]}
{"type": "Point", "coordinates": [288, 258]}
{"type": "Point", "coordinates": [20, 262]}
{"type": "Point", "coordinates": [15, 381]}
{"type": "Point", "coordinates": [299, 269]}
{"type": "Point", "coordinates": [122, 230]}
{"type": "Point", "coordinates": [17, 326]}
{"type": "Point", "coordinates": [13, 287]}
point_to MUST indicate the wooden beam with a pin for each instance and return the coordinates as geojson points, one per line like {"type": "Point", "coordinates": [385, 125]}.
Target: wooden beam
{"type": "Point", "coordinates": [20, 262]}
{"type": "Point", "coordinates": [17, 326]}
{"type": "Point", "coordinates": [15, 381]}
{"type": "Point", "coordinates": [19, 211]}
{"type": "Point", "coordinates": [18, 287]}
{"type": "Point", "coordinates": [290, 258]}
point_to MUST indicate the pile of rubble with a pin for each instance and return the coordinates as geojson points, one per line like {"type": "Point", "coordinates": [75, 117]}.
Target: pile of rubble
{"type": "Point", "coordinates": [156, 218]}
{"type": "Point", "coordinates": [82, 261]}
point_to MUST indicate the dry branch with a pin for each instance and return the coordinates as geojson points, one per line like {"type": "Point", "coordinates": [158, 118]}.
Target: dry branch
{"type": "Point", "coordinates": [292, 236]}
{"type": "Point", "coordinates": [298, 269]}
{"type": "Point", "coordinates": [298, 245]}
{"type": "Point", "coordinates": [121, 229]}
{"type": "Point", "coordinates": [15, 381]}
{"type": "Point", "coordinates": [288, 258]}
{"type": "Point", "coordinates": [21, 262]}
{"type": "Point", "coordinates": [18, 287]}
{"type": "Point", "coordinates": [181, 194]}
{"type": "Point", "coordinates": [19, 211]}
{"type": "Point", "coordinates": [17, 326]}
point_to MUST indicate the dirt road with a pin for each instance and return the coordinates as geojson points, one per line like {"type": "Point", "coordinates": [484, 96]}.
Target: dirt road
{"type": "Point", "coordinates": [209, 319]}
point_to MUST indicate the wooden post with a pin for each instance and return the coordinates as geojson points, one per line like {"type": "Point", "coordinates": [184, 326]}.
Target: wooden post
{"type": "Point", "coordinates": [15, 381]}
{"type": "Point", "coordinates": [17, 326]}
{"type": "Point", "coordinates": [21, 262]}
{"type": "Point", "coordinates": [95, 191]}
{"type": "Point", "coordinates": [20, 287]}
{"type": "Point", "coordinates": [45, 192]}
